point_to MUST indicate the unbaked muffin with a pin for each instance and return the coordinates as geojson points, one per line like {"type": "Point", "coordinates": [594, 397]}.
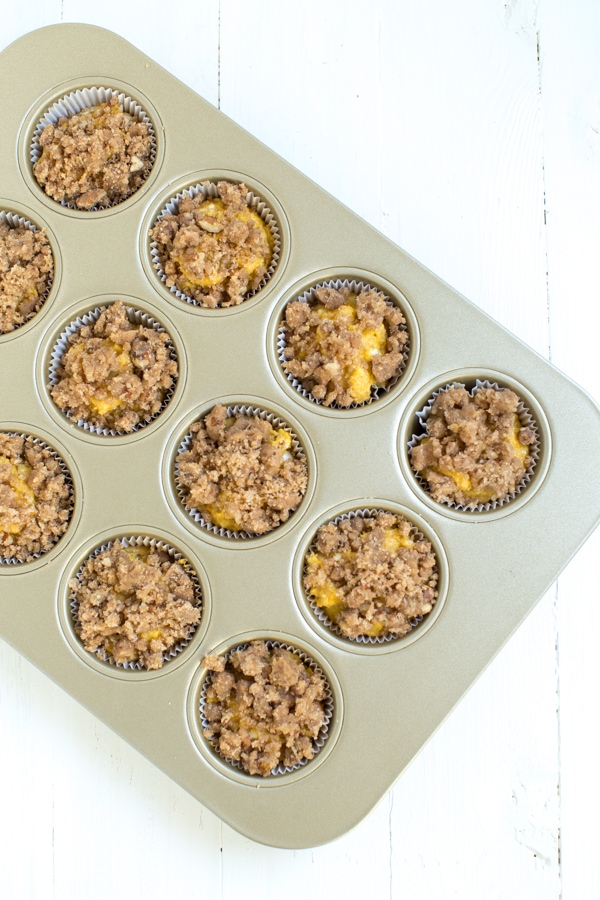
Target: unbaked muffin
{"type": "Point", "coordinates": [114, 374]}
{"type": "Point", "coordinates": [241, 473]}
{"type": "Point", "coordinates": [342, 345]}
{"type": "Point", "coordinates": [264, 707]}
{"type": "Point", "coordinates": [95, 158]}
{"type": "Point", "coordinates": [35, 498]}
{"type": "Point", "coordinates": [26, 272]}
{"type": "Point", "coordinates": [134, 604]}
{"type": "Point", "coordinates": [475, 449]}
{"type": "Point", "coordinates": [371, 575]}
{"type": "Point", "coordinates": [214, 250]}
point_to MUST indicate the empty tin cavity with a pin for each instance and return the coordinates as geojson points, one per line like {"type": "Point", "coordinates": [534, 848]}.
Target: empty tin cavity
{"type": "Point", "coordinates": [211, 253]}
{"type": "Point", "coordinates": [101, 157]}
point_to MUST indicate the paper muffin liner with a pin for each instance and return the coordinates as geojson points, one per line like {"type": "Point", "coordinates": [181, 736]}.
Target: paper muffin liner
{"type": "Point", "coordinates": [275, 422]}
{"type": "Point", "coordinates": [74, 103]}
{"type": "Point", "coordinates": [12, 561]}
{"type": "Point", "coordinates": [320, 613]}
{"type": "Point", "coordinates": [136, 317]}
{"type": "Point", "coordinates": [355, 287]}
{"type": "Point", "coordinates": [176, 556]}
{"type": "Point", "coordinates": [14, 221]}
{"type": "Point", "coordinates": [208, 190]}
{"type": "Point", "coordinates": [328, 705]}
{"type": "Point", "coordinates": [525, 418]}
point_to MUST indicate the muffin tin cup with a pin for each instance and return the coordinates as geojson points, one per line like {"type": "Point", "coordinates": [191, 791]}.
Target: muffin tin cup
{"type": "Point", "coordinates": [15, 221]}
{"type": "Point", "coordinates": [526, 419]}
{"type": "Point", "coordinates": [12, 561]}
{"type": "Point", "coordinates": [322, 616]}
{"type": "Point", "coordinates": [136, 317]}
{"type": "Point", "coordinates": [208, 190]}
{"type": "Point", "coordinates": [376, 392]}
{"type": "Point", "coordinates": [318, 742]}
{"type": "Point", "coordinates": [74, 103]}
{"type": "Point", "coordinates": [238, 410]}
{"type": "Point", "coordinates": [176, 556]}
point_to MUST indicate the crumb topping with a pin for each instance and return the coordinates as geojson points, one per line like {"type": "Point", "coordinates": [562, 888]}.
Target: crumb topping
{"type": "Point", "coordinates": [26, 270]}
{"type": "Point", "coordinates": [370, 576]}
{"type": "Point", "coordinates": [114, 374]}
{"type": "Point", "coordinates": [341, 346]}
{"type": "Point", "coordinates": [240, 473]}
{"type": "Point", "coordinates": [475, 449]}
{"type": "Point", "coordinates": [214, 250]}
{"type": "Point", "coordinates": [95, 158]}
{"type": "Point", "coordinates": [35, 498]}
{"type": "Point", "coordinates": [134, 604]}
{"type": "Point", "coordinates": [264, 707]}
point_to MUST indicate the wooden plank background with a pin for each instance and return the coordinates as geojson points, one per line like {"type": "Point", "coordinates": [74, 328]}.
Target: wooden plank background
{"type": "Point", "coordinates": [469, 133]}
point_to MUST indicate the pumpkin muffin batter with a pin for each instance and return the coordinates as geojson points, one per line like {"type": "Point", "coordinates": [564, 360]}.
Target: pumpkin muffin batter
{"type": "Point", "coordinates": [370, 577]}
{"type": "Point", "coordinates": [264, 707]}
{"type": "Point", "coordinates": [35, 498]}
{"type": "Point", "coordinates": [26, 270]}
{"type": "Point", "coordinates": [214, 250]}
{"type": "Point", "coordinates": [240, 473]}
{"type": "Point", "coordinates": [342, 346]}
{"type": "Point", "coordinates": [134, 604]}
{"type": "Point", "coordinates": [95, 158]}
{"type": "Point", "coordinates": [114, 374]}
{"type": "Point", "coordinates": [476, 449]}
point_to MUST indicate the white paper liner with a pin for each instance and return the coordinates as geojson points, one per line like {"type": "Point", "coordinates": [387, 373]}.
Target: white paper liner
{"type": "Point", "coordinates": [136, 317]}
{"type": "Point", "coordinates": [208, 190]}
{"type": "Point", "coordinates": [74, 103]}
{"type": "Point", "coordinates": [275, 422]}
{"type": "Point", "coordinates": [14, 221]}
{"type": "Point", "coordinates": [176, 556]}
{"type": "Point", "coordinates": [526, 420]}
{"type": "Point", "coordinates": [320, 613]}
{"type": "Point", "coordinates": [328, 705]}
{"type": "Point", "coordinates": [11, 561]}
{"type": "Point", "coordinates": [356, 287]}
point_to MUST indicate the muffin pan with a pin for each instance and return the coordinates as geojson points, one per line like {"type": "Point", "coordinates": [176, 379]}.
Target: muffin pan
{"type": "Point", "coordinates": [387, 697]}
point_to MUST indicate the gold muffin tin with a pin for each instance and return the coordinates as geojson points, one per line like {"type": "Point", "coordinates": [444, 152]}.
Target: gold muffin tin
{"type": "Point", "coordinates": [388, 697]}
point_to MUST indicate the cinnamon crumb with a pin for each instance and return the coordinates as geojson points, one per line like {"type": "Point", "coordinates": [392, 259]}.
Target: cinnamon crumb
{"type": "Point", "coordinates": [265, 707]}
{"type": "Point", "coordinates": [370, 576]}
{"type": "Point", "coordinates": [35, 498]}
{"type": "Point", "coordinates": [26, 271]}
{"type": "Point", "coordinates": [114, 374]}
{"type": "Point", "coordinates": [214, 251]}
{"type": "Point", "coordinates": [475, 449]}
{"type": "Point", "coordinates": [342, 346]}
{"type": "Point", "coordinates": [241, 473]}
{"type": "Point", "coordinates": [95, 158]}
{"type": "Point", "coordinates": [134, 604]}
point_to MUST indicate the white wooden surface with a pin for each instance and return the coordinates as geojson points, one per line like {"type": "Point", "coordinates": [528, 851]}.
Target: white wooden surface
{"type": "Point", "coordinates": [469, 133]}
